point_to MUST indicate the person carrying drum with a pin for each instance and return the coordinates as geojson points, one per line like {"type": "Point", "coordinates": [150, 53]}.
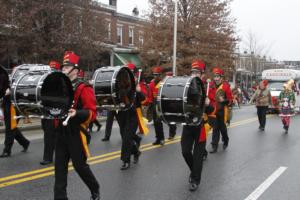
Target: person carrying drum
{"type": "Point", "coordinates": [129, 121]}
{"type": "Point", "coordinates": [71, 140]}
{"type": "Point", "coordinates": [158, 125]}
{"type": "Point", "coordinates": [11, 130]}
{"type": "Point", "coordinates": [49, 127]}
{"type": "Point", "coordinates": [287, 100]}
{"type": "Point", "coordinates": [220, 98]}
{"type": "Point", "coordinates": [193, 140]}
{"type": "Point", "coordinates": [198, 69]}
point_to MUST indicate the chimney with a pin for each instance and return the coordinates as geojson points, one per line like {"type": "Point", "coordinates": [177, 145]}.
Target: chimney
{"type": "Point", "coordinates": [113, 3]}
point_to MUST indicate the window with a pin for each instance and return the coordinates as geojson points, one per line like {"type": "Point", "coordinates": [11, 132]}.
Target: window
{"type": "Point", "coordinates": [109, 30]}
{"type": "Point", "coordinates": [141, 38]}
{"type": "Point", "coordinates": [131, 33]}
{"type": "Point", "coordinates": [119, 34]}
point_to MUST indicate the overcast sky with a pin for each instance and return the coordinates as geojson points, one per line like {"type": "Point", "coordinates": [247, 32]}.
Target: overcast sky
{"type": "Point", "coordinates": [274, 22]}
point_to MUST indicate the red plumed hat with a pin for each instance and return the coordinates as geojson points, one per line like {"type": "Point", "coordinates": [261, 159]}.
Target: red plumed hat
{"type": "Point", "coordinates": [70, 58]}
{"type": "Point", "coordinates": [131, 66]}
{"type": "Point", "coordinates": [198, 65]}
{"type": "Point", "coordinates": [218, 71]}
{"type": "Point", "coordinates": [157, 70]}
{"type": "Point", "coordinates": [54, 64]}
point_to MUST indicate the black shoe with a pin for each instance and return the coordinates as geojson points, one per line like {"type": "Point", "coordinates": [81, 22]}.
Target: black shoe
{"type": "Point", "coordinates": [157, 142]}
{"type": "Point", "coordinates": [125, 166]}
{"type": "Point", "coordinates": [261, 128]}
{"type": "Point", "coordinates": [162, 142]}
{"type": "Point", "coordinates": [5, 155]}
{"type": "Point", "coordinates": [213, 150]}
{"type": "Point", "coordinates": [95, 196]}
{"type": "Point", "coordinates": [225, 145]}
{"type": "Point", "coordinates": [193, 186]}
{"type": "Point", "coordinates": [99, 127]}
{"type": "Point", "coordinates": [25, 147]}
{"type": "Point", "coordinates": [205, 155]}
{"type": "Point", "coordinates": [105, 139]}
{"type": "Point", "coordinates": [136, 157]}
{"type": "Point", "coordinates": [45, 162]}
{"type": "Point", "coordinates": [171, 138]}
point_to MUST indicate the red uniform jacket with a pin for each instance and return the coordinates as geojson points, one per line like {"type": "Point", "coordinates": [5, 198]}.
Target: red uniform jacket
{"type": "Point", "coordinates": [213, 90]}
{"type": "Point", "coordinates": [153, 87]}
{"type": "Point", "coordinates": [146, 92]}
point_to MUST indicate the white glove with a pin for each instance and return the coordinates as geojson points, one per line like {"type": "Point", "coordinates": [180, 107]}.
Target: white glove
{"type": "Point", "coordinates": [7, 92]}
{"type": "Point", "coordinates": [292, 106]}
{"type": "Point", "coordinates": [207, 101]}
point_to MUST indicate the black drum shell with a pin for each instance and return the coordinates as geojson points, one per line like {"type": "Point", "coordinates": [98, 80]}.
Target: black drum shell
{"type": "Point", "coordinates": [4, 81]}
{"type": "Point", "coordinates": [56, 94]}
{"type": "Point", "coordinates": [111, 84]}
{"type": "Point", "coordinates": [181, 100]}
{"type": "Point", "coordinates": [39, 93]}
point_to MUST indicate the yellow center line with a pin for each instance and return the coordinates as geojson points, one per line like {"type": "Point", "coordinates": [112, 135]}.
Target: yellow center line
{"type": "Point", "coordinates": [93, 160]}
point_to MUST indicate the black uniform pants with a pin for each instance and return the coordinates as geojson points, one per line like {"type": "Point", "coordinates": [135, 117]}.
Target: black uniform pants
{"type": "Point", "coordinates": [128, 126]}
{"type": "Point", "coordinates": [261, 113]}
{"type": "Point", "coordinates": [10, 136]}
{"type": "Point", "coordinates": [11, 133]}
{"type": "Point", "coordinates": [69, 146]}
{"type": "Point", "coordinates": [92, 124]}
{"type": "Point", "coordinates": [159, 130]}
{"type": "Point", "coordinates": [219, 128]}
{"type": "Point", "coordinates": [193, 151]}
{"type": "Point", "coordinates": [109, 123]}
{"type": "Point", "coordinates": [49, 138]}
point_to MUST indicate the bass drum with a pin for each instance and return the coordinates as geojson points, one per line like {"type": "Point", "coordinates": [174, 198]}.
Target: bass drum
{"type": "Point", "coordinates": [181, 100]}
{"type": "Point", "coordinates": [114, 87]}
{"type": "Point", "coordinates": [4, 81]}
{"type": "Point", "coordinates": [46, 95]}
{"type": "Point", "coordinates": [20, 70]}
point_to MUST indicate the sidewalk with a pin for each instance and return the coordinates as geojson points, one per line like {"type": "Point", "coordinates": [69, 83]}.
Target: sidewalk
{"type": "Point", "coordinates": [35, 125]}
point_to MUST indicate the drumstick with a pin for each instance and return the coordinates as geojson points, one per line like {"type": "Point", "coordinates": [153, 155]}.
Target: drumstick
{"type": "Point", "coordinates": [140, 74]}
{"type": "Point", "coordinates": [65, 123]}
{"type": "Point", "coordinates": [207, 90]}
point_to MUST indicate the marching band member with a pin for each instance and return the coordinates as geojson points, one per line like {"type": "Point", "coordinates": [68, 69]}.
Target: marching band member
{"type": "Point", "coordinates": [49, 127]}
{"type": "Point", "coordinates": [193, 141]}
{"type": "Point", "coordinates": [287, 100]}
{"type": "Point", "coordinates": [198, 69]}
{"type": "Point", "coordinates": [158, 125]}
{"type": "Point", "coordinates": [129, 121]}
{"type": "Point", "coordinates": [220, 98]}
{"type": "Point", "coordinates": [71, 140]}
{"type": "Point", "coordinates": [11, 130]}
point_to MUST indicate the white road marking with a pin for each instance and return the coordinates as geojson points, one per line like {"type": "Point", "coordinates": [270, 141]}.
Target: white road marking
{"type": "Point", "coordinates": [266, 184]}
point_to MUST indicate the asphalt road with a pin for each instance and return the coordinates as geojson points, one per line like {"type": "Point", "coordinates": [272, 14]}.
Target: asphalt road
{"type": "Point", "coordinates": [263, 164]}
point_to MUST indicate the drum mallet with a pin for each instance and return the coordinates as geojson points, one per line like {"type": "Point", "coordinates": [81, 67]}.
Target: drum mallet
{"type": "Point", "coordinates": [140, 74]}
{"type": "Point", "coordinates": [65, 123]}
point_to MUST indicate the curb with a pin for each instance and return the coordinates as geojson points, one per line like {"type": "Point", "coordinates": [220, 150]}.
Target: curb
{"type": "Point", "coordinates": [37, 126]}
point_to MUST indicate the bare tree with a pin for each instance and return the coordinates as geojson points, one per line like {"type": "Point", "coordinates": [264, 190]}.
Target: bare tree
{"type": "Point", "coordinates": [205, 31]}
{"type": "Point", "coordinates": [37, 31]}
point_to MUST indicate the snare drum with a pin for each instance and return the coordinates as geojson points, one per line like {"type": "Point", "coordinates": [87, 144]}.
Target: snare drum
{"type": "Point", "coordinates": [47, 95]}
{"type": "Point", "coordinates": [114, 87]}
{"type": "Point", "coordinates": [181, 100]}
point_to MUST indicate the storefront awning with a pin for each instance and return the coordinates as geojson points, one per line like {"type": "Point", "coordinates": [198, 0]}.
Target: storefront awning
{"type": "Point", "coordinates": [124, 58]}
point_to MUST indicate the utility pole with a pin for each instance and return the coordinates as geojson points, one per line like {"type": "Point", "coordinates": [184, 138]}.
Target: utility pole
{"type": "Point", "coordinates": [175, 38]}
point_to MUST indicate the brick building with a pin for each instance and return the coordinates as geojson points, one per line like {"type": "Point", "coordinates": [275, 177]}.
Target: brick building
{"type": "Point", "coordinates": [125, 34]}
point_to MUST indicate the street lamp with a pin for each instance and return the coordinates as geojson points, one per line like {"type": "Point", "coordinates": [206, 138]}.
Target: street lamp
{"type": "Point", "coordinates": [175, 38]}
